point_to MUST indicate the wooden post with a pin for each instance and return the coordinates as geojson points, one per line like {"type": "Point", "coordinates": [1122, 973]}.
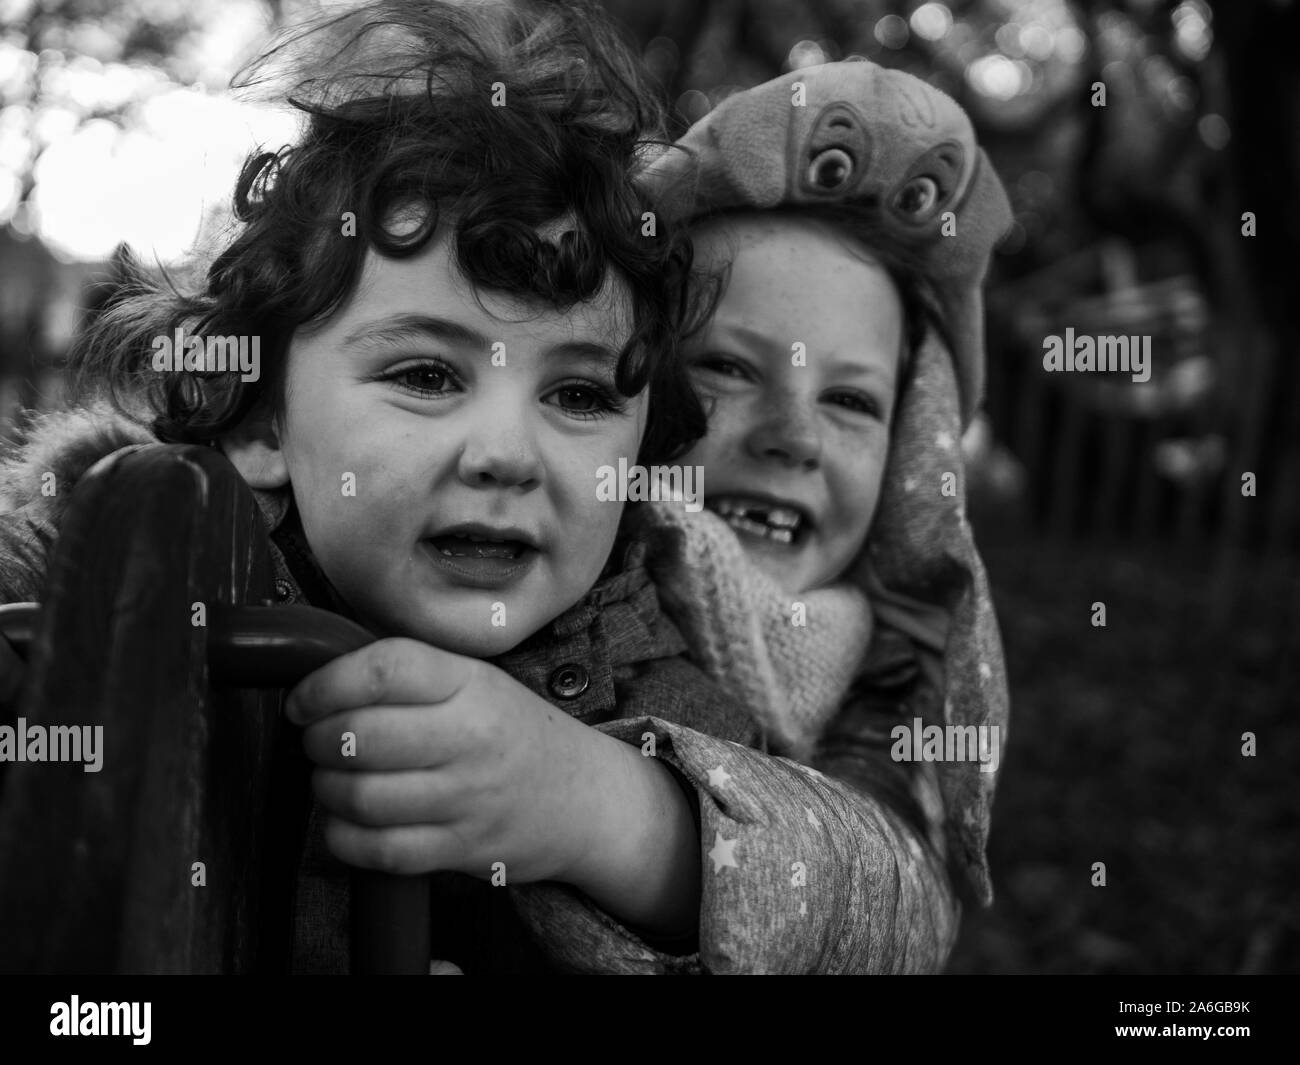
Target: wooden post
{"type": "Point", "coordinates": [180, 853]}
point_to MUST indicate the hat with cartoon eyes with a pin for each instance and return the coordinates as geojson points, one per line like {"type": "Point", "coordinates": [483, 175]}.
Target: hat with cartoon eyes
{"type": "Point", "coordinates": [854, 132]}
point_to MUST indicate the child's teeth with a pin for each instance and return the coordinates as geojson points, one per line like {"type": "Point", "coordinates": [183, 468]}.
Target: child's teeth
{"type": "Point", "coordinates": [757, 528]}
{"type": "Point", "coordinates": [477, 547]}
{"type": "Point", "coordinates": [776, 522]}
{"type": "Point", "coordinates": [737, 521]}
{"type": "Point", "coordinates": [783, 517]}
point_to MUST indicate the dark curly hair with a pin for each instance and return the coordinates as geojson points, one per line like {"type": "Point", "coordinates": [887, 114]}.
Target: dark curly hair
{"type": "Point", "coordinates": [399, 103]}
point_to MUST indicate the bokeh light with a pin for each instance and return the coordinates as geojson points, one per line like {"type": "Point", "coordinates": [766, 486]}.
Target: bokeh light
{"type": "Point", "coordinates": [931, 22]}
{"type": "Point", "coordinates": [805, 54]}
{"type": "Point", "coordinates": [999, 77]}
{"type": "Point", "coordinates": [1192, 34]}
{"type": "Point", "coordinates": [150, 185]}
{"type": "Point", "coordinates": [693, 105]}
{"type": "Point", "coordinates": [892, 31]}
{"type": "Point", "coordinates": [1071, 44]}
{"type": "Point", "coordinates": [1214, 131]}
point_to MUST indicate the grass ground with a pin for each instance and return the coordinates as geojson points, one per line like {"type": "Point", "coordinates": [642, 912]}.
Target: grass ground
{"type": "Point", "coordinates": [1125, 748]}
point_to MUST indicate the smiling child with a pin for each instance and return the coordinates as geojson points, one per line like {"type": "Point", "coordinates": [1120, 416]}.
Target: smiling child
{"type": "Point", "coordinates": [442, 383]}
{"type": "Point", "coordinates": [848, 215]}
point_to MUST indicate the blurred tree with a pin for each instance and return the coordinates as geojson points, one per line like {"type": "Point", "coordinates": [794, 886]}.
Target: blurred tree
{"type": "Point", "coordinates": [1258, 41]}
{"type": "Point", "coordinates": [91, 68]}
{"type": "Point", "coordinates": [64, 63]}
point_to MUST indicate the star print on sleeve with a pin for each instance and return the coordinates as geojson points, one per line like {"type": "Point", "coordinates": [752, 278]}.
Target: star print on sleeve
{"type": "Point", "coordinates": [723, 853]}
{"type": "Point", "coordinates": [718, 777]}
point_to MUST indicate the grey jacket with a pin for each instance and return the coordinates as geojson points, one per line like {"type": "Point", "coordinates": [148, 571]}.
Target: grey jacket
{"type": "Point", "coordinates": [830, 867]}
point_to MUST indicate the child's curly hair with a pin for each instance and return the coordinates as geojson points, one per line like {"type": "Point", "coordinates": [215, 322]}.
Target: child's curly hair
{"type": "Point", "coordinates": [399, 99]}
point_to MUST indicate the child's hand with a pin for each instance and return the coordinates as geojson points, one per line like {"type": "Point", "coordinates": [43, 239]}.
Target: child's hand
{"type": "Point", "coordinates": [434, 761]}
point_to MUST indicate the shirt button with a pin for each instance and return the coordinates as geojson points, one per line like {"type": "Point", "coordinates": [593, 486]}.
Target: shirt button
{"type": "Point", "coordinates": [569, 681]}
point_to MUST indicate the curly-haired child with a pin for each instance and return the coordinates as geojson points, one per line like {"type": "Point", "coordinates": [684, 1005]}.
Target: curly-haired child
{"type": "Point", "coordinates": [500, 327]}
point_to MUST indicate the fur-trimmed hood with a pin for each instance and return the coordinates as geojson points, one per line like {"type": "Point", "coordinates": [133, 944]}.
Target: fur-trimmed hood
{"type": "Point", "coordinates": [65, 444]}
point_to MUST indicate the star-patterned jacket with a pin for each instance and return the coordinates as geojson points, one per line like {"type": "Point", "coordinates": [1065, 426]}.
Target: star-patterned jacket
{"type": "Point", "coordinates": [830, 867]}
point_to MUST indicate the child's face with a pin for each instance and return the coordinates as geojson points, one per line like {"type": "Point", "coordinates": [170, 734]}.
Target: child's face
{"type": "Point", "coordinates": [797, 436]}
{"type": "Point", "coordinates": [474, 519]}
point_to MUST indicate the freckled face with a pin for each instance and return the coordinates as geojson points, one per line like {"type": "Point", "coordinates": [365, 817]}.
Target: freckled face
{"type": "Point", "coordinates": [796, 446]}
{"type": "Point", "coordinates": [473, 433]}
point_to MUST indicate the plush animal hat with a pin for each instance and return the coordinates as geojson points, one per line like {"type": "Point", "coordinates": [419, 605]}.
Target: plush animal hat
{"type": "Point", "coordinates": [854, 132]}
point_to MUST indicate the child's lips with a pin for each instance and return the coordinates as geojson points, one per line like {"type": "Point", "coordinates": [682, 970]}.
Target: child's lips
{"type": "Point", "coordinates": [478, 533]}
{"type": "Point", "coordinates": [481, 555]}
{"type": "Point", "coordinates": [479, 565]}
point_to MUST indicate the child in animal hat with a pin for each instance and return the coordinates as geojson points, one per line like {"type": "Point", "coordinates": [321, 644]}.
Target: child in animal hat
{"type": "Point", "coordinates": [422, 480]}
{"type": "Point", "coordinates": [851, 215]}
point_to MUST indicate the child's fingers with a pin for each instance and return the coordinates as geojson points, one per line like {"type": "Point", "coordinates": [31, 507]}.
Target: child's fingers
{"type": "Point", "coordinates": [378, 799]}
{"type": "Point", "coordinates": [402, 849]}
{"type": "Point", "coordinates": [383, 738]}
{"type": "Point", "coordinates": [390, 671]}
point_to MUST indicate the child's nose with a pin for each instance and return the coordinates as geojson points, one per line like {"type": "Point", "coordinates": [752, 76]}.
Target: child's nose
{"type": "Point", "coordinates": [499, 453]}
{"type": "Point", "coordinates": [787, 432]}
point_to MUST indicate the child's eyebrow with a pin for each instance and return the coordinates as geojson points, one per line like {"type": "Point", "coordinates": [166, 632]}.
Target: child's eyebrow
{"type": "Point", "coordinates": [740, 332]}
{"type": "Point", "coordinates": [857, 368]}
{"type": "Point", "coordinates": [415, 327]}
{"type": "Point", "coordinates": [587, 351]}
{"type": "Point", "coordinates": [423, 326]}
{"type": "Point", "coordinates": [836, 363]}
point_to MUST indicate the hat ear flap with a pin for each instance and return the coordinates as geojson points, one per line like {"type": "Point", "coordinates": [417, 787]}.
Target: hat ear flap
{"type": "Point", "coordinates": [982, 219]}
{"type": "Point", "coordinates": [743, 156]}
{"type": "Point", "coordinates": [956, 270]}
{"type": "Point", "coordinates": [924, 577]}
{"type": "Point", "coordinates": [963, 317]}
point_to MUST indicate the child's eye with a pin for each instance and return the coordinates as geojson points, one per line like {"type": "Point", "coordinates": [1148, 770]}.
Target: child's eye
{"type": "Point", "coordinates": [856, 401]}
{"type": "Point", "coordinates": [721, 364]}
{"type": "Point", "coordinates": [586, 400]}
{"type": "Point", "coordinates": [424, 379]}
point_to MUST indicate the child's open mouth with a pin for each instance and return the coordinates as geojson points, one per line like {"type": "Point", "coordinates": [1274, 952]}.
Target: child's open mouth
{"type": "Point", "coordinates": [481, 556]}
{"type": "Point", "coordinates": [762, 518]}
{"type": "Point", "coordinates": [478, 547]}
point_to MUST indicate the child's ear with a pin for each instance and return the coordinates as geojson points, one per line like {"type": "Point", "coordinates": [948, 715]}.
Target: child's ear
{"type": "Point", "coordinates": [254, 448]}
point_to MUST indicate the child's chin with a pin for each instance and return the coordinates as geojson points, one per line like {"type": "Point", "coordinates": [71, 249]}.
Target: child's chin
{"type": "Point", "coordinates": [779, 562]}
{"type": "Point", "coordinates": [484, 641]}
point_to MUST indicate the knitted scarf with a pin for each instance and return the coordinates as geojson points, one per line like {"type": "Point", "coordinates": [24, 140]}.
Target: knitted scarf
{"type": "Point", "coordinates": [789, 657]}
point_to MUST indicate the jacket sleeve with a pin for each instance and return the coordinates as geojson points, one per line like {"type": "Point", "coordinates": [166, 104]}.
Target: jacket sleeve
{"type": "Point", "coordinates": [822, 868]}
